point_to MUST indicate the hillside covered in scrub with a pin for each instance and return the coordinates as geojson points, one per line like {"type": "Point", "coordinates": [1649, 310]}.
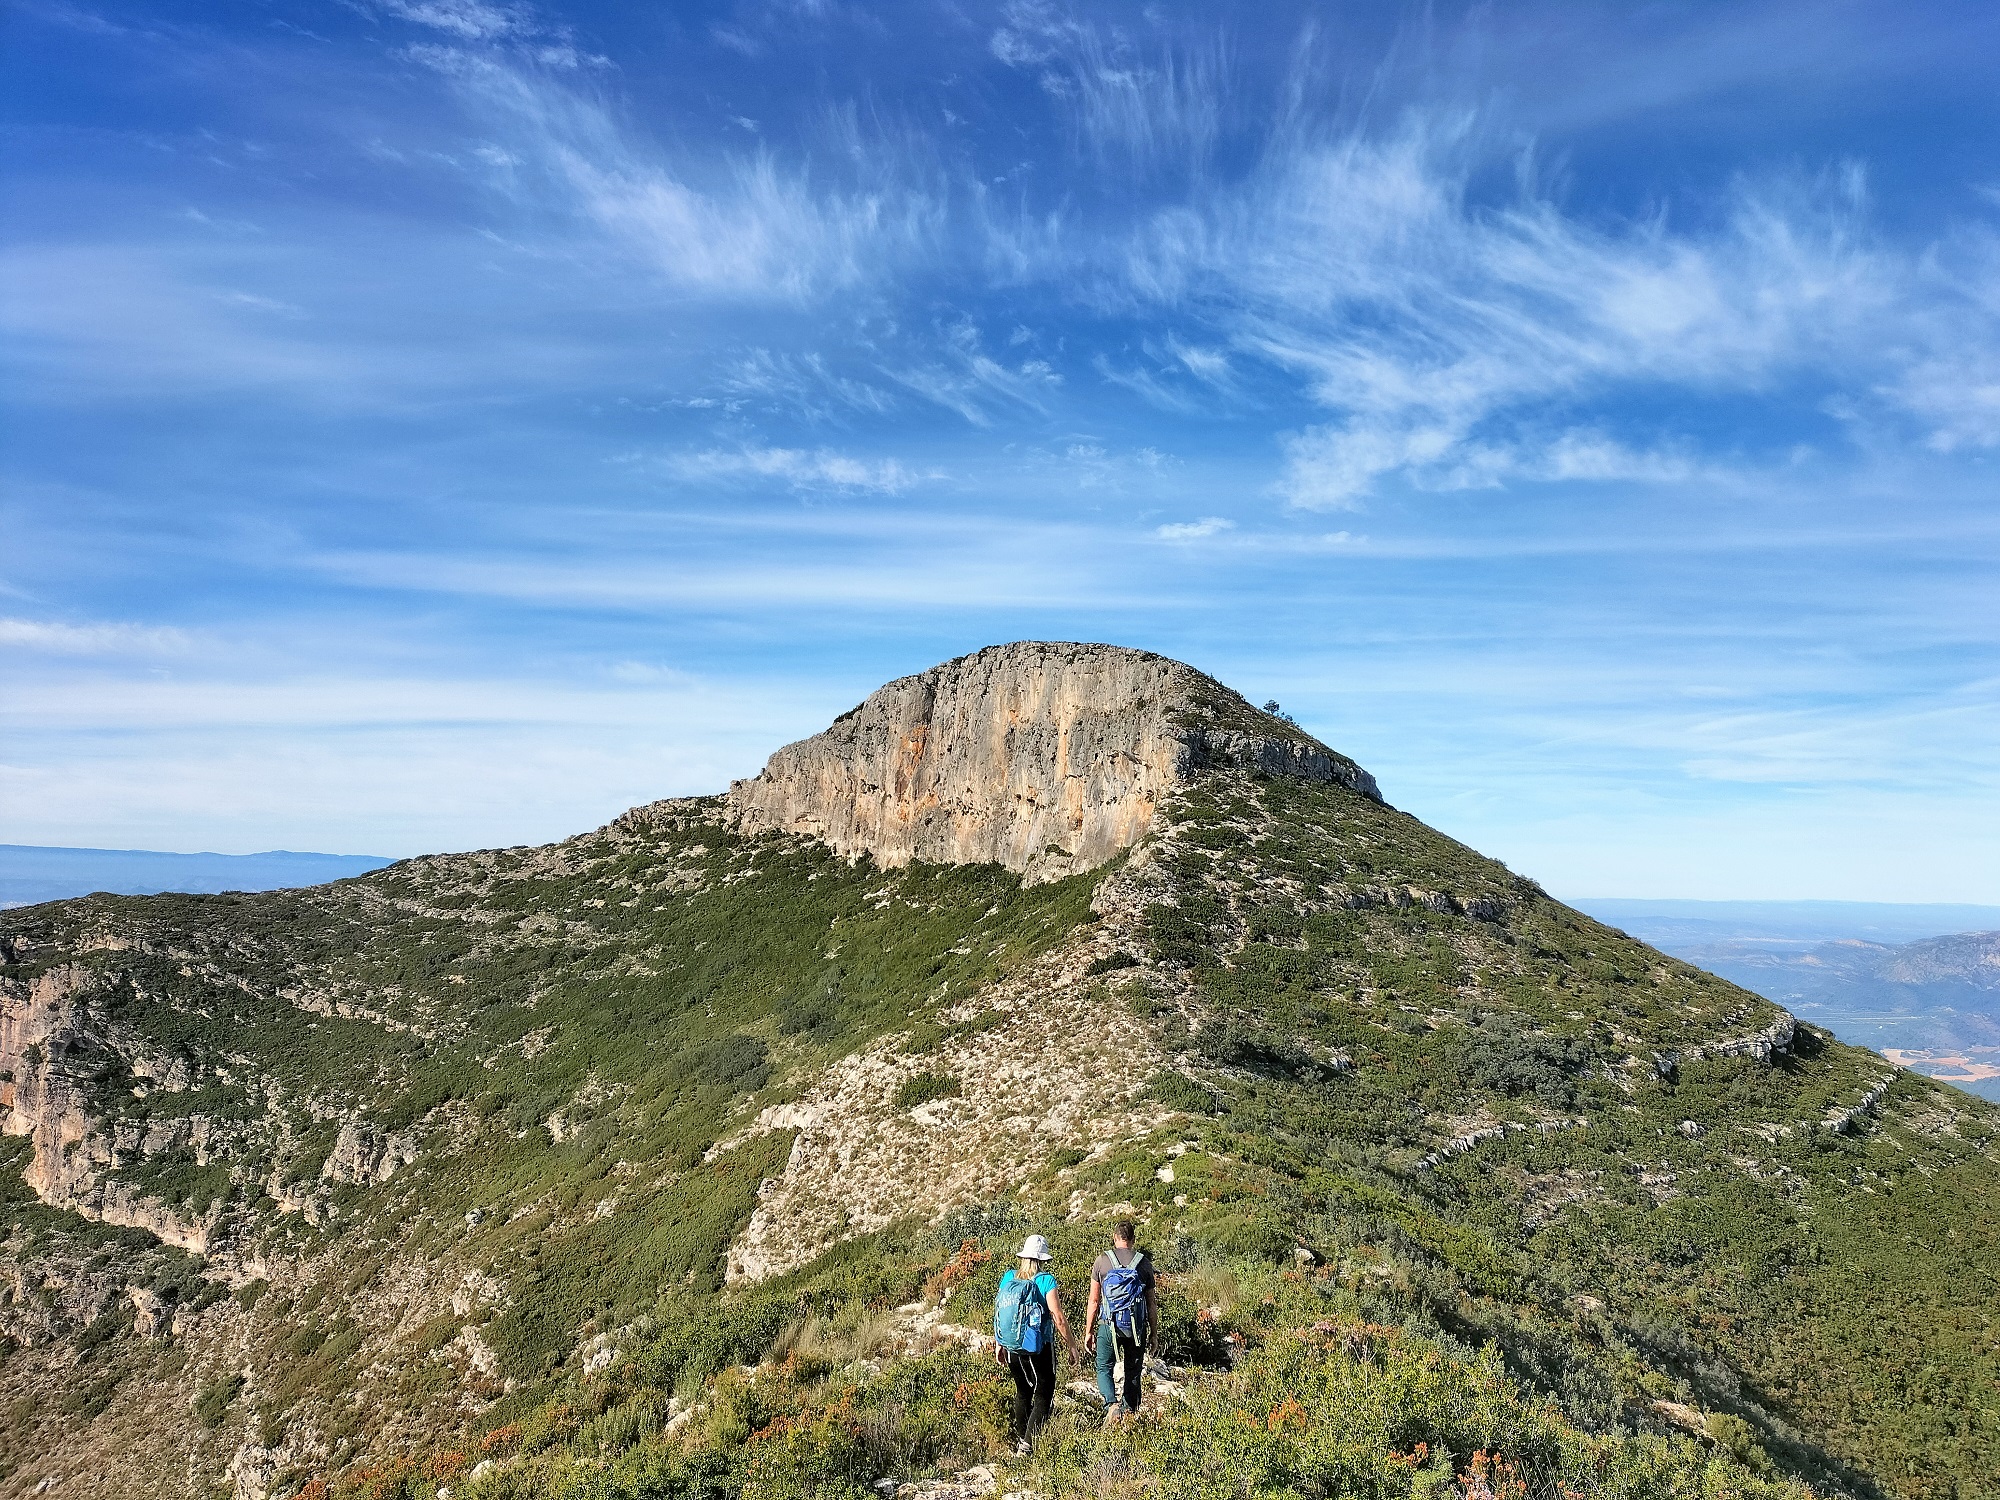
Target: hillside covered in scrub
{"type": "Point", "coordinates": [682, 1158]}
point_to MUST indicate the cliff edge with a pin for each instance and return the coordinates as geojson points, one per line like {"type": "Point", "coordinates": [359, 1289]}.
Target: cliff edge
{"type": "Point", "coordinates": [1048, 757]}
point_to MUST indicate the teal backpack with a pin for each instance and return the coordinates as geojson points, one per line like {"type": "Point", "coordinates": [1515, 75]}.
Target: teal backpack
{"type": "Point", "coordinates": [1018, 1314]}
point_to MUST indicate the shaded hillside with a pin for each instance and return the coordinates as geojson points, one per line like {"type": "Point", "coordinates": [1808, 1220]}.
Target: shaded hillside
{"type": "Point", "coordinates": [677, 1158]}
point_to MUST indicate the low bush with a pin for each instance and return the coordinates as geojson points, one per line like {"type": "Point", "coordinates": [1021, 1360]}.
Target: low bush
{"type": "Point", "coordinates": [1180, 1092]}
{"type": "Point", "coordinates": [922, 1088]}
{"type": "Point", "coordinates": [213, 1404]}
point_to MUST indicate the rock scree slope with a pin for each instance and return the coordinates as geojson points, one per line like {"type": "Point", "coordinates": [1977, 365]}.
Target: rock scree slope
{"type": "Point", "coordinates": [680, 1158]}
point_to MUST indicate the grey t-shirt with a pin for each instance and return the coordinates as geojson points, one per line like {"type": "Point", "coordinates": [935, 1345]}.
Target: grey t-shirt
{"type": "Point", "coordinates": [1105, 1262]}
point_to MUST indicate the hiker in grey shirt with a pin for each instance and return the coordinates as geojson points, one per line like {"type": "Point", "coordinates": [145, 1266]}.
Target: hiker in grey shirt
{"type": "Point", "coordinates": [1123, 1290]}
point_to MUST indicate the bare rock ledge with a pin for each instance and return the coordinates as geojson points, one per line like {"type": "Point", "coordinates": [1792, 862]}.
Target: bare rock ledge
{"type": "Point", "coordinates": [1047, 757]}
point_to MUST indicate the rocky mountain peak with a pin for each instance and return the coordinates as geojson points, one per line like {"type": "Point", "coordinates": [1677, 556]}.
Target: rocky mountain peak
{"type": "Point", "coordinates": [1048, 757]}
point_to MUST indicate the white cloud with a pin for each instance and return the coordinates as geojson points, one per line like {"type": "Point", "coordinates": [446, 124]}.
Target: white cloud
{"type": "Point", "coordinates": [965, 379]}
{"type": "Point", "coordinates": [1211, 365]}
{"type": "Point", "coordinates": [54, 638]}
{"type": "Point", "coordinates": [1033, 33]}
{"type": "Point", "coordinates": [1583, 454]}
{"type": "Point", "coordinates": [1956, 396]}
{"type": "Point", "coordinates": [1362, 268]}
{"type": "Point", "coordinates": [1356, 259]}
{"type": "Point", "coordinates": [1335, 468]}
{"type": "Point", "coordinates": [1151, 389]}
{"type": "Point", "coordinates": [1142, 109]}
{"type": "Point", "coordinates": [818, 468]}
{"type": "Point", "coordinates": [805, 384]}
{"type": "Point", "coordinates": [1188, 531]}
{"type": "Point", "coordinates": [750, 228]}
{"type": "Point", "coordinates": [473, 20]}
{"type": "Point", "coordinates": [1435, 324]}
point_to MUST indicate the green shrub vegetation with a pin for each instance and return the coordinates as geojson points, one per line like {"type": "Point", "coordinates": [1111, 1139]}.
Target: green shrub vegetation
{"type": "Point", "coordinates": [921, 1088]}
{"type": "Point", "coordinates": [1642, 1269]}
{"type": "Point", "coordinates": [1178, 1091]}
{"type": "Point", "coordinates": [1321, 1401]}
{"type": "Point", "coordinates": [213, 1404]}
{"type": "Point", "coordinates": [1769, 1272]}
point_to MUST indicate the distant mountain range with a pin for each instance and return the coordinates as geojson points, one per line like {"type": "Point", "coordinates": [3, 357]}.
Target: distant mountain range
{"type": "Point", "coordinates": [32, 873]}
{"type": "Point", "coordinates": [1919, 984]}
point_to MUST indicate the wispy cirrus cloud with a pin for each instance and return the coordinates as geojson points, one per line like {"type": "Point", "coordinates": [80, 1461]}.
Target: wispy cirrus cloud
{"type": "Point", "coordinates": [97, 638]}
{"type": "Point", "coordinates": [473, 20]}
{"type": "Point", "coordinates": [800, 468]}
{"type": "Point", "coordinates": [1362, 267]}
{"type": "Point", "coordinates": [1192, 531]}
{"type": "Point", "coordinates": [734, 225]}
{"type": "Point", "coordinates": [1956, 398]}
{"type": "Point", "coordinates": [805, 384]}
{"type": "Point", "coordinates": [1366, 260]}
{"type": "Point", "coordinates": [1126, 105]}
{"type": "Point", "coordinates": [1333, 468]}
{"type": "Point", "coordinates": [962, 377]}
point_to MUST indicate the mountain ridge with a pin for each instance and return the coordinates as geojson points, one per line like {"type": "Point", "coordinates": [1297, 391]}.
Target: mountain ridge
{"type": "Point", "coordinates": [526, 1171]}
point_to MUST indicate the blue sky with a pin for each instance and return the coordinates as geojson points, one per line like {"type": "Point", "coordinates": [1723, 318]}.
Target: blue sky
{"type": "Point", "coordinates": [441, 423]}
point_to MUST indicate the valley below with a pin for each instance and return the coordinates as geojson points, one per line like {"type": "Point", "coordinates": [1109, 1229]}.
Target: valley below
{"type": "Point", "coordinates": [1905, 981]}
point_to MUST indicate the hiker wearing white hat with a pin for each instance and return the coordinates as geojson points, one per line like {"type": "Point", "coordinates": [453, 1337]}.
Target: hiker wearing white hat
{"type": "Point", "coordinates": [1023, 1311]}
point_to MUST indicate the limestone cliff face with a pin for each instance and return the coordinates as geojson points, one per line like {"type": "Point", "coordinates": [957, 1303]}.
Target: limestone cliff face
{"type": "Point", "coordinates": [54, 1036]}
{"type": "Point", "coordinates": [43, 1023]}
{"type": "Point", "coordinates": [1045, 757]}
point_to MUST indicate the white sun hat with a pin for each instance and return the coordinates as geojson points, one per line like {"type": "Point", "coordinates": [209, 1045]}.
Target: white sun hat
{"type": "Point", "coordinates": [1035, 1247]}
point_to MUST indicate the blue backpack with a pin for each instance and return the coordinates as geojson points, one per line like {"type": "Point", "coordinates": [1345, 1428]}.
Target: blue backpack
{"type": "Point", "coordinates": [1018, 1311]}
{"type": "Point", "coordinates": [1125, 1297]}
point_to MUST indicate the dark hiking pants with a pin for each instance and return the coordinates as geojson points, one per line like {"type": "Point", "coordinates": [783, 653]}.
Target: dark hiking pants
{"type": "Point", "coordinates": [1034, 1388]}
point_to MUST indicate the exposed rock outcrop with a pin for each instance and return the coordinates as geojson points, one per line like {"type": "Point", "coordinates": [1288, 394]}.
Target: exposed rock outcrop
{"type": "Point", "coordinates": [42, 1023]}
{"type": "Point", "coordinates": [1838, 1121]}
{"type": "Point", "coordinates": [54, 1038]}
{"type": "Point", "coordinates": [1762, 1045]}
{"type": "Point", "coordinates": [364, 1156]}
{"type": "Point", "coordinates": [1046, 757]}
{"type": "Point", "coordinates": [1061, 1064]}
{"type": "Point", "coordinates": [1458, 1145]}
